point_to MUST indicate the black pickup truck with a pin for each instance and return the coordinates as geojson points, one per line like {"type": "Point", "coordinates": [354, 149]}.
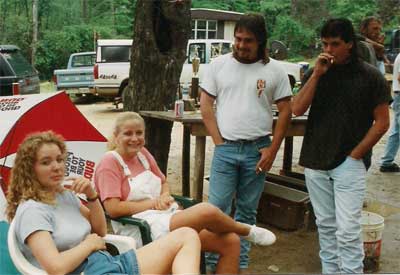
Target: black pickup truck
{"type": "Point", "coordinates": [14, 68]}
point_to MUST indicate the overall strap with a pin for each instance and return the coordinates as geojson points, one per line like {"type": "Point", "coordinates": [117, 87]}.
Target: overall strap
{"type": "Point", "coordinates": [143, 160]}
{"type": "Point", "coordinates": [127, 172]}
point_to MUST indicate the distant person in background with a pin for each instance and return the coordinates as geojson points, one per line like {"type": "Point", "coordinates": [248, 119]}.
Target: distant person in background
{"type": "Point", "coordinates": [371, 29]}
{"type": "Point", "coordinates": [393, 142]}
{"type": "Point", "coordinates": [348, 101]}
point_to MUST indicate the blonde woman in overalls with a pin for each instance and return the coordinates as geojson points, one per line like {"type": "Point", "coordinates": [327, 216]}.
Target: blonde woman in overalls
{"type": "Point", "coordinates": [130, 182]}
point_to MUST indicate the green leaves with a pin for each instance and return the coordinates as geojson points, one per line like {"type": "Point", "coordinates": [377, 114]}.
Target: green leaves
{"type": "Point", "coordinates": [67, 26]}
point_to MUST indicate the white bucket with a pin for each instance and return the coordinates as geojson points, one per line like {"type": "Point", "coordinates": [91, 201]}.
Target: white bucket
{"type": "Point", "coordinates": [372, 227]}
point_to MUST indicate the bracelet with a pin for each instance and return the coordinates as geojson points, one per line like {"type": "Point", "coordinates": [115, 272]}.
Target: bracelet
{"type": "Point", "coordinates": [92, 199]}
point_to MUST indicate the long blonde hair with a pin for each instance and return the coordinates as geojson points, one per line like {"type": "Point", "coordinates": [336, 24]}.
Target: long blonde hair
{"type": "Point", "coordinates": [24, 184]}
{"type": "Point", "coordinates": [121, 119]}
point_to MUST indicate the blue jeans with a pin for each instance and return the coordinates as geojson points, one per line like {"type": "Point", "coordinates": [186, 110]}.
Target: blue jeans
{"type": "Point", "coordinates": [101, 262]}
{"type": "Point", "coordinates": [337, 197]}
{"type": "Point", "coordinates": [392, 145]}
{"type": "Point", "coordinates": [233, 174]}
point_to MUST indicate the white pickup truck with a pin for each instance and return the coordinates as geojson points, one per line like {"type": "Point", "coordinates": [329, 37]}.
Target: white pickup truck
{"type": "Point", "coordinates": [111, 71]}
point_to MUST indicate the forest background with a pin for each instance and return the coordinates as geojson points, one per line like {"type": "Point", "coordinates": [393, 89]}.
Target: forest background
{"type": "Point", "coordinates": [48, 31]}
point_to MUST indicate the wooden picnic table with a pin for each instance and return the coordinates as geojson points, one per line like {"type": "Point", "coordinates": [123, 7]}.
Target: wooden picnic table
{"type": "Point", "coordinates": [193, 125]}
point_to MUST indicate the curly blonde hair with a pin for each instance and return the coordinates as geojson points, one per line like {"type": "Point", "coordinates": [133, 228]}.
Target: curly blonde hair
{"type": "Point", "coordinates": [24, 184]}
{"type": "Point", "coordinates": [121, 119]}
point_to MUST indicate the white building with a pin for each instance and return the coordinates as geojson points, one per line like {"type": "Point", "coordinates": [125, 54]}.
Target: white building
{"type": "Point", "coordinates": [213, 24]}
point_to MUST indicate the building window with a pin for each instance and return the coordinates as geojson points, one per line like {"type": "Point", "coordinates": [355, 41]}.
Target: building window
{"type": "Point", "coordinates": [204, 29]}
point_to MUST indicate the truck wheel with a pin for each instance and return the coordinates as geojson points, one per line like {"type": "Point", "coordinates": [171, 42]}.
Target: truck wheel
{"type": "Point", "coordinates": [120, 99]}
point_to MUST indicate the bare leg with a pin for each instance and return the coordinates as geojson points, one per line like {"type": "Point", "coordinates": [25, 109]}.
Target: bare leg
{"type": "Point", "coordinates": [206, 216]}
{"type": "Point", "coordinates": [177, 252]}
{"type": "Point", "coordinates": [227, 245]}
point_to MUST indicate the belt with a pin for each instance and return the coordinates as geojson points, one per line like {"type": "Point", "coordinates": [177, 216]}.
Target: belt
{"type": "Point", "coordinates": [243, 141]}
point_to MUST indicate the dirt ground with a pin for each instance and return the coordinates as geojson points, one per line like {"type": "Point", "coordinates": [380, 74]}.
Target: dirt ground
{"type": "Point", "coordinates": [294, 252]}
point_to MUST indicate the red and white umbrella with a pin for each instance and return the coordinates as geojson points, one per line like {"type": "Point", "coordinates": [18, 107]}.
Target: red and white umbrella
{"type": "Point", "coordinates": [21, 115]}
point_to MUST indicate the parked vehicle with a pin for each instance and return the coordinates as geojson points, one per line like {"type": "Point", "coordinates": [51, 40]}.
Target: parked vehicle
{"type": "Point", "coordinates": [111, 71]}
{"type": "Point", "coordinates": [392, 44]}
{"type": "Point", "coordinates": [77, 79]}
{"type": "Point", "coordinates": [14, 68]}
{"type": "Point", "coordinates": [392, 47]}
{"type": "Point", "coordinates": [207, 49]}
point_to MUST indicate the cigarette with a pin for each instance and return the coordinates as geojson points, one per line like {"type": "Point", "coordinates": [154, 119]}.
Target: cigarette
{"type": "Point", "coordinates": [67, 183]}
{"type": "Point", "coordinates": [326, 61]}
{"type": "Point", "coordinates": [259, 169]}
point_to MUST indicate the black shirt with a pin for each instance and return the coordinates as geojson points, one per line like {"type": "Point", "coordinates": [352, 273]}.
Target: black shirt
{"type": "Point", "coordinates": [341, 113]}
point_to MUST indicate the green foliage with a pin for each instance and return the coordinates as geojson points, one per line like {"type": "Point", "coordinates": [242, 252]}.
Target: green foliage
{"type": "Point", "coordinates": [355, 10]}
{"type": "Point", "coordinates": [20, 36]}
{"type": "Point", "coordinates": [272, 10]}
{"type": "Point", "coordinates": [68, 26]}
{"type": "Point", "coordinates": [56, 46]}
{"type": "Point", "coordinates": [294, 35]}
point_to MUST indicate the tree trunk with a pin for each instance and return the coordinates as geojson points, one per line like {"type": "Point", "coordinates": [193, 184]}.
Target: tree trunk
{"type": "Point", "coordinates": [112, 7]}
{"type": "Point", "coordinates": [3, 9]}
{"type": "Point", "coordinates": [162, 29]}
{"type": "Point", "coordinates": [85, 11]}
{"type": "Point", "coordinates": [34, 30]}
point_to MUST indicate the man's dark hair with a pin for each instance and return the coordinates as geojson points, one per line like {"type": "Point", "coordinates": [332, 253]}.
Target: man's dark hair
{"type": "Point", "coordinates": [255, 24]}
{"type": "Point", "coordinates": [342, 28]}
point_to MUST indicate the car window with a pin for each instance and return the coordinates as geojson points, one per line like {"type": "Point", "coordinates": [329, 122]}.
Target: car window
{"type": "Point", "coordinates": [115, 53]}
{"type": "Point", "coordinates": [200, 50]}
{"type": "Point", "coordinates": [83, 60]}
{"type": "Point", "coordinates": [4, 70]}
{"type": "Point", "coordinates": [220, 48]}
{"type": "Point", "coordinates": [19, 64]}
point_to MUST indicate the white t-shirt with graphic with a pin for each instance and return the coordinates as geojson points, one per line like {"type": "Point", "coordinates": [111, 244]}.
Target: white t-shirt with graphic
{"type": "Point", "coordinates": [244, 95]}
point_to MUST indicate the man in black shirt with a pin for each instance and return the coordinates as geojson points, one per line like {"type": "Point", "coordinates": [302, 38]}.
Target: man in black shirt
{"type": "Point", "coordinates": [348, 115]}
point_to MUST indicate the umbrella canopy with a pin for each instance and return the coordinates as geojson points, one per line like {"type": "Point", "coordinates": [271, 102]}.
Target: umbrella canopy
{"type": "Point", "coordinates": [21, 115]}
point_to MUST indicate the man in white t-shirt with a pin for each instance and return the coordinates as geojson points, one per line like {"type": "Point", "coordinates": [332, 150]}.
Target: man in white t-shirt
{"type": "Point", "coordinates": [244, 85]}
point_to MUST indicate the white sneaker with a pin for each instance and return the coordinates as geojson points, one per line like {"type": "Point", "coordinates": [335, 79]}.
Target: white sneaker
{"type": "Point", "coordinates": [260, 236]}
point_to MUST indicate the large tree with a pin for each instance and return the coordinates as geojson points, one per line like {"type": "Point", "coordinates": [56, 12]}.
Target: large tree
{"type": "Point", "coordinates": [162, 29]}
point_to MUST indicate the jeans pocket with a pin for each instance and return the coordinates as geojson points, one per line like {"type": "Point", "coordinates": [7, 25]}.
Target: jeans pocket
{"type": "Point", "coordinates": [351, 162]}
{"type": "Point", "coordinates": [262, 143]}
{"type": "Point", "coordinates": [221, 144]}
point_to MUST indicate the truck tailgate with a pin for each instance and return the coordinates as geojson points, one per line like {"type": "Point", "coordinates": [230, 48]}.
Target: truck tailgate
{"type": "Point", "coordinates": [74, 78]}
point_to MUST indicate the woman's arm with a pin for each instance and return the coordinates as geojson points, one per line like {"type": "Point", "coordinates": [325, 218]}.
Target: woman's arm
{"type": "Point", "coordinates": [165, 200]}
{"type": "Point", "coordinates": [94, 211]}
{"type": "Point", "coordinates": [54, 262]}
{"type": "Point", "coordinates": [116, 208]}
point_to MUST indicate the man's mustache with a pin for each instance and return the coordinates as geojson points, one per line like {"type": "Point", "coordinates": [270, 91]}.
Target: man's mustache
{"type": "Point", "coordinates": [235, 49]}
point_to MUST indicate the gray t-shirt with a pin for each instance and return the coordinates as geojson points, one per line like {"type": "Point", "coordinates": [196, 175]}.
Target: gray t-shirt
{"type": "Point", "coordinates": [63, 220]}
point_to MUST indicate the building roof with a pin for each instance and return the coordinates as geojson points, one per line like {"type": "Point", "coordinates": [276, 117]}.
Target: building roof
{"type": "Point", "coordinates": [211, 14]}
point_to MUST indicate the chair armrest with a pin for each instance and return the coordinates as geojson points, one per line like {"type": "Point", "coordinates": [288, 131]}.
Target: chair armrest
{"type": "Point", "coordinates": [19, 260]}
{"type": "Point", "coordinates": [144, 227]}
{"type": "Point", "coordinates": [186, 202]}
{"type": "Point", "coordinates": [122, 243]}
